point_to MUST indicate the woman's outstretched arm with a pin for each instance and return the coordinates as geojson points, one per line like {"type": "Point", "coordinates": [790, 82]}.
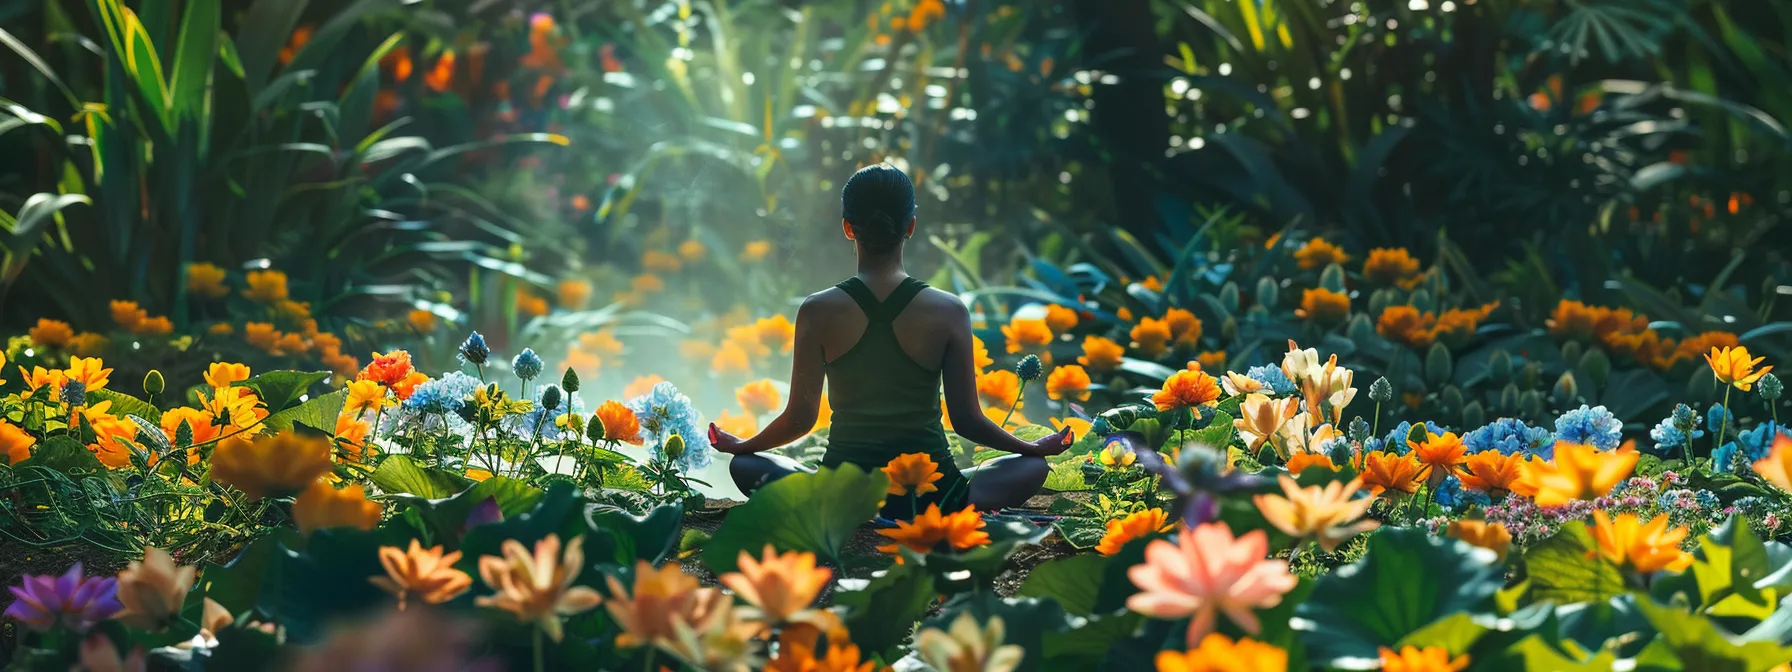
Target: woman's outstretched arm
{"type": "Point", "coordinates": [960, 379]}
{"type": "Point", "coordinates": [804, 400]}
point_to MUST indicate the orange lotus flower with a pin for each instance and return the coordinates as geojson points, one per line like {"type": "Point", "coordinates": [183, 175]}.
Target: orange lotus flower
{"type": "Point", "coordinates": [225, 374]}
{"type": "Point", "coordinates": [1776, 467]}
{"type": "Point", "coordinates": [1384, 471]}
{"type": "Point", "coordinates": [999, 389]}
{"type": "Point", "coordinates": [90, 371]}
{"type": "Point", "coordinates": [1060, 319]}
{"type": "Point", "coordinates": [1732, 366]}
{"type": "Point", "coordinates": [1579, 471]}
{"type": "Point", "coordinates": [1491, 471]}
{"type": "Point", "coordinates": [265, 286]}
{"type": "Point", "coordinates": [1101, 354]}
{"type": "Point", "coordinates": [152, 590]}
{"type": "Point", "coordinates": [663, 601]}
{"type": "Point", "coordinates": [127, 314]}
{"type": "Point", "coordinates": [1218, 653]}
{"type": "Point", "coordinates": [1187, 389]}
{"type": "Point", "coordinates": [1440, 453]}
{"type": "Point", "coordinates": [759, 397]}
{"type": "Point", "coordinates": [1491, 536]}
{"type": "Point", "coordinates": [619, 423]}
{"type": "Point", "coordinates": [959, 531]}
{"type": "Point", "coordinates": [1151, 337]}
{"type": "Point", "coordinates": [538, 587]}
{"type": "Point", "coordinates": [206, 280]}
{"type": "Point", "coordinates": [1027, 335]}
{"type": "Point", "coordinates": [1413, 659]}
{"type": "Point", "coordinates": [1135, 525]}
{"type": "Point", "coordinates": [641, 386]}
{"type": "Point", "coordinates": [1209, 571]}
{"type": "Point", "coordinates": [15, 443]}
{"type": "Point", "coordinates": [276, 465]}
{"type": "Point", "coordinates": [1646, 547]}
{"type": "Point", "coordinates": [780, 585]}
{"type": "Point", "coordinates": [322, 505]}
{"type": "Point", "coordinates": [388, 369]}
{"type": "Point", "coordinates": [1068, 382]}
{"type": "Point", "coordinates": [51, 333]}
{"type": "Point", "coordinates": [1387, 266]}
{"type": "Point", "coordinates": [1324, 306]}
{"type": "Point", "coordinates": [429, 574]}
{"type": "Point", "coordinates": [1318, 253]}
{"type": "Point", "coordinates": [912, 471]}
{"type": "Point", "coordinates": [1324, 514]}
{"type": "Point", "coordinates": [1300, 462]}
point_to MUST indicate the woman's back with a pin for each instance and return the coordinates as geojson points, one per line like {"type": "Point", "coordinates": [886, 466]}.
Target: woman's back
{"type": "Point", "coordinates": [883, 358]}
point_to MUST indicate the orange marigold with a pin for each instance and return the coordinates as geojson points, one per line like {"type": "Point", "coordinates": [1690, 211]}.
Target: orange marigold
{"type": "Point", "coordinates": [1068, 382]}
{"type": "Point", "coordinates": [1323, 306]}
{"type": "Point", "coordinates": [1133, 526]}
{"type": "Point", "coordinates": [1318, 253]}
{"type": "Point", "coordinates": [928, 531]}
{"type": "Point", "coordinates": [1387, 266]}
{"type": "Point", "coordinates": [1101, 354]}
{"type": "Point", "coordinates": [1152, 337]}
{"type": "Point", "coordinates": [1186, 389]}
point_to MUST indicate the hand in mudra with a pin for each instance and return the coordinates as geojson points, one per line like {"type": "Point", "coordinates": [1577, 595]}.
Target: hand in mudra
{"type": "Point", "coordinates": [725, 442]}
{"type": "Point", "coordinates": [1054, 444]}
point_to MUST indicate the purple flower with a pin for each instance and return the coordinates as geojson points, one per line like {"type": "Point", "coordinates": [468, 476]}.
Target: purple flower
{"type": "Point", "coordinates": [77, 600]}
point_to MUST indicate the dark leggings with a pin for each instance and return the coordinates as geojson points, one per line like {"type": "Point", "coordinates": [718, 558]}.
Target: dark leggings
{"type": "Point", "coordinates": [1004, 482]}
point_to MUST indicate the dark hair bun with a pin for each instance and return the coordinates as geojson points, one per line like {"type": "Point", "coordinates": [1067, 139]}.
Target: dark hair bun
{"type": "Point", "coordinates": [878, 202]}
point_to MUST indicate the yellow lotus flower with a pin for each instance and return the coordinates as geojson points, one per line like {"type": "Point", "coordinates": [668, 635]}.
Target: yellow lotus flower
{"type": "Point", "coordinates": [968, 647]}
{"type": "Point", "coordinates": [1491, 536]}
{"type": "Point", "coordinates": [780, 585]}
{"type": "Point", "coordinates": [152, 590]}
{"type": "Point", "coordinates": [1323, 514]}
{"type": "Point", "coordinates": [1776, 467]}
{"type": "Point", "coordinates": [1732, 366]}
{"type": "Point", "coordinates": [538, 588]}
{"type": "Point", "coordinates": [1579, 471]}
{"type": "Point", "coordinates": [1260, 416]}
{"type": "Point", "coordinates": [1646, 547]}
{"type": "Point", "coordinates": [225, 374]}
{"type": "Point", "coordinates": [429, 574]}
{"type": "Point", "coordinates": [915, 472]}
{"type": "Point", "coordinates": [279, 464]}
{"type": "Point", "coordinates": [322, 505]}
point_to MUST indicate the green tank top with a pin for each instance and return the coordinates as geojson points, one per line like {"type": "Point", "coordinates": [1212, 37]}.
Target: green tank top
{"type": "Point", "coordinates": [885, 403]}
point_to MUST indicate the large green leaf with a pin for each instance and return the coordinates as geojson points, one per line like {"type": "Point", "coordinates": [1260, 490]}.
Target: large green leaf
{"type": "Point", "coordinates": [650, 537]}
{"type": "Point", "coordinates": [193, 59]}
{"type": "Point", "coordinates": [66, 455]}
{"type": "Point", "coordinates": [1074, 582]}
{"type": "Point", "coordinates": [124, 404]}
{"type": "Point", "coordinates": [816, 512]}
{"type": "Point", "coordinates": [1700, 645]}
{"type": "Point", "coordinates": [265, 30]}
{"type": "Point", "coordinates": [399, 474]}
{"type": "Point", "coordinates": [1534, 653]}
{"type": "Point", "coordinates": [1006, 535]}
{"type": "Point", "coordinates": [1086, 648]}
{"type": "Point", "coordinates": [881, 614]}
{"type": "Point", "coordinates": [1408, 580]}
{"type": "Point", "coordinates": [444, 520]}
{"type": "Point", "coordinates": [280, 389]}
{"type": "Point", "coordinates": [318, 413]}
{"type": "Point", "coordinates": [328, 580]}
{"type": "Point", "coordinates": [1564, 568]}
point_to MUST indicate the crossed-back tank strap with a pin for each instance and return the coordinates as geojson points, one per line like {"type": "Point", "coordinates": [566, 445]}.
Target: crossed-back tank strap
{"type": "Point", "coordinates": [884, 311]}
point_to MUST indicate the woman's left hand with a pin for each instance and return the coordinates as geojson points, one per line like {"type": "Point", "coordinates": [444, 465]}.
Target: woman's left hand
{"type": "Point", "coordinates": [727, 443]}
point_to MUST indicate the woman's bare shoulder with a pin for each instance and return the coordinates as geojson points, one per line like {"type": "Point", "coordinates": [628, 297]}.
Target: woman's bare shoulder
{"type": "Point", "coordinates": [942, 303]}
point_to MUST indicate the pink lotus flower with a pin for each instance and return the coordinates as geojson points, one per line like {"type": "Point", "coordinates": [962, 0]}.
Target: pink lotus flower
{"type": "Point", "coordinates": [77, 600]}
{"type": "Point", "coordinates": [1206, 572]}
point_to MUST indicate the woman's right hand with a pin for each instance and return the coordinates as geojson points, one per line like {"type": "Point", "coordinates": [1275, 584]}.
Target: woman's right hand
{"type": "Point", "coordinates": [1052, 445]}
{"type": "Point", "coordinates": [725, 442]}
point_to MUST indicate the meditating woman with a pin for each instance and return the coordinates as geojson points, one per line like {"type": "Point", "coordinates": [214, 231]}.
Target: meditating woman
{"type": "Point", "coordinates": [885, 341]}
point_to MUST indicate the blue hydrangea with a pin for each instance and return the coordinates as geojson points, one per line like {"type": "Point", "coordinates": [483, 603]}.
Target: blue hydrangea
{"type": "Point", "coordinates": [1510, 436]}
{"type": "Point", "coordinates": [527, 364]}
{"type": "Point", "coordinates": [1718, 416]}
{"type": "Point", "coordinates": [1450, 494]}
{"type": "Point", "coordinates": [1706, 499]}
{"type": "Point", "coordinates": [1272, 378]}
{"type": "Point", "coordinates": [665, 412]}
{"type": "Point", "coordinates": [442, 395]}
{"type": "Point", "coordinates": [1669, 440]}
{"type": "Point", "coordinates": [524, 425]}
{"type": "Point", "coordinates": [1750, 446]}
{"type": "Point", "coordinates": [1593, 426]}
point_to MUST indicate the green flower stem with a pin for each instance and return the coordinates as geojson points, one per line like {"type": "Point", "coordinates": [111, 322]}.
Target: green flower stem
{"type": "Point", "coordinates": [1723, 425]}
{"type": "Point", "coordinates": [1377, 429]}
{"type": "Point", "coordinates": [1018, 396]}
{"type": "Point", "coordinates": [539, 667]}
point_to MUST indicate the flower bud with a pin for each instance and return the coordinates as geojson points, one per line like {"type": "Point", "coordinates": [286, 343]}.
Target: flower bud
{"type": "Point", "coordinates": [1229, 297]}
{"type": "Point", "coordinates": [474, 349]}
{"type": "Point", "coordinates": [551, 396]}
{"type": "Point", "coordinates": [570, 381]}
{"type": "Point", "coordinates": [1030, 368]}
{"type": "Point", "coordinates": [1381, 391]}
{"type": "Point", "coordinates": [1566, 389]}
{"type": "Point", "coordinates": [153, 384]}
{"type": "Point", "coordinates": [674, 447]}
{"type": "Point", "coordinates": [74, 393]}
{"type": "Point", "coordinates": [1499, 367]}
{"type": "Point", "coordinates": [1268, 292]}
{"type": "Point", "coordinates": [1438, 365]}
{"type": "Point", "coordinates": [1332, 278]}
{"type": "Point", "coordinates": [526, 365]}
{"type": "Point", "coordinates": [1771, 387]}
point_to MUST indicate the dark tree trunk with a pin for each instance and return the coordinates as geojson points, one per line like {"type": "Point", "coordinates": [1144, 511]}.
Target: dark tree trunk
{"type": "Point", "coordinates": [1129, 115]}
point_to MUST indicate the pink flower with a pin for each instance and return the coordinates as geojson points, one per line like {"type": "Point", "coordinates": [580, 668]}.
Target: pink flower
{"type": "Point", "coordinates": [1209, 571]}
